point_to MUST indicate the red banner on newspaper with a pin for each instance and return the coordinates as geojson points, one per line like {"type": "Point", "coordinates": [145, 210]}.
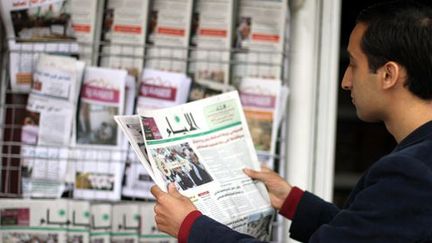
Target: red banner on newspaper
{"type": "Point", "coordinates": [100, 94]}
{"type": "Point", "coordinates": [158, 92]}
{"type": "Point", "coordinates": [171, 31]}
{"type": "Point", "coordinates": [255, 100]}
{"type": "Point", "coordinates": [265, 37]}
{"type": "Point", "coordinates": [213, 32]}
{"type": "Point", "coordinates": [127, 29]}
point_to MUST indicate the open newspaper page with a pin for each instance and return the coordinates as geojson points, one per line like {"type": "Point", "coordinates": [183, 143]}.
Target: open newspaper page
{"type": "Point", "coordinates": [99, 147]}
{"type": "Point", "coordinates": [212, 25]}
{"type": "Point", "coordinates": [259, 38]}
{"type": "Point", "coordinates": [33, 27]}
{"type": "Point", "coordinates": [202, 147]}
{"type": "Point", "coordinates": [124, 33]}
{"type": "Point", "coordinates": [139, 176]}
{"type": "Point", "coordinates": [168, 35]}
{"type": "Point", "coordinates": [47, 127]}
{"type": "Point", "coordinates": [261, 100]}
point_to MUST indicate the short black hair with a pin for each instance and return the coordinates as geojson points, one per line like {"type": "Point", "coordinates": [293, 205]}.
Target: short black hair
{"type": "Point", "coordinates": [401, 31]}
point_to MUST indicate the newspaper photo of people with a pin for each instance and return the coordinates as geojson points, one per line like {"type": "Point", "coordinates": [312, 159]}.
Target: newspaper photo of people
{"type": "Point", "coordinates": [180, 164]}
{"type": "Point", "coordinates": [43, 23]}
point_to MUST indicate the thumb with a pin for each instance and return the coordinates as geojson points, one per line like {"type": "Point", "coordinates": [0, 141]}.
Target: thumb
{"type": "Point", "coordinates": [156, 191]}
{"type": "Point", "coordinates": [254, 174]}
{"type": "Point", "coordinates": [172, 189]}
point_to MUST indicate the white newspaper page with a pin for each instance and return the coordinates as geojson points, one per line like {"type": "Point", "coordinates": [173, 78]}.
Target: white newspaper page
{"type": "Point", "coordinates": [160, 89]}
{"type": "Point", "coordinates": [168, 35]}
{"type": "Point", "coordinates": [33, 27]}
{"type": "Point", "coordinates": [84, 22]}
{"type": "Point", "coordinates": [202, 147]}
{"type": "Point", "coordinates": [259, 38]}
{"type": "Point", "coordinates": [32, 220]}
{"type": "Point", "coordinates": [78, 229]}
{"type": "Point", "coordinates": [125, 27]}
{"type": "Point", "coordinates": [99, 147]}
{"type": "Point", "coordinates": [261, 104]}
{"type": "Point", "coordinates": [212, 40]}
{"type": "Point", "coordinates": [101, 222]}
{"type": "Point", "coordinates": [126, 220]}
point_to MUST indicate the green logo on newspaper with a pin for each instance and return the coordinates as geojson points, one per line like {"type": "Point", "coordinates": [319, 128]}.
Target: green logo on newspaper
{"type": "Point", "coordinates": [86, 214]}
{"type": "Point", "coordinates": [136, 217]}
{"type": "Point", "coordinates": [105, 217]}
{"type": "Point", "coordinates": [222, 113]}
{"type": "Point", "coordinates": [61, 212]}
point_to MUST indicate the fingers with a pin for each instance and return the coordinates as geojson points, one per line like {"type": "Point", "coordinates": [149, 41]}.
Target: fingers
{"type": "Point", "coordinates": [172, 189]}
{"type": "Point", "coordinates": [156, 191]}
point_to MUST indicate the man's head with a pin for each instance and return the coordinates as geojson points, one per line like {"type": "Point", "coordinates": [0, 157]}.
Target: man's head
{"type": "Point", "coordinates": [390, 47]}
{"type": "Point", "coordinates": [401, 31]}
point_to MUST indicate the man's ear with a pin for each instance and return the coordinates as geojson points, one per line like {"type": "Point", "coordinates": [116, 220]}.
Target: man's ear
{"type": "Point", "coordinates": [391, 75]}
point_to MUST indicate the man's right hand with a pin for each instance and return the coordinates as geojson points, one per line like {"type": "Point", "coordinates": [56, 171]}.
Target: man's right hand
{"type": "Point", "coordinates": [278, 188]}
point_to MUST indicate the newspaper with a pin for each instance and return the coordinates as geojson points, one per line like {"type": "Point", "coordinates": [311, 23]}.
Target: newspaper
{"type": "Point", "coordinates": [124, 30]}
{"type": "Point", "coordinates": [32, 220]}
{"type": "Point", "coordinates": [101, 222]}
{"type": "Point", "coordinates": [212, 25]}
{"type": "Point", "coordinates": [168, 35]}
{"type": "Point", "coordinates": [48, 123]}
{"type": "Point", "coordinates": [192, 144]}
{"type": "Point", "coordinates": [126, 220]}
{"type": "Point", "coordinates": [33, 27]}
{"type": "Point", "coordinates": [160, 89]}
{"type": "Point", "coordinates": [99, 147]}
{"type": "Point", "coordinates": [262, 101]}
{"type": "Point", "coordinates": [85, 22]}
{"type": "Point", "coordinates": [78, 229]}
{"type": "Point", "coordinates": [259, 38]}
{"type": "Point", "coordinates": [139, 177]}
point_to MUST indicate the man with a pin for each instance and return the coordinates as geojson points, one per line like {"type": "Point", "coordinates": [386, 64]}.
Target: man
{"type": "Point", "coordinates": [390, 80]}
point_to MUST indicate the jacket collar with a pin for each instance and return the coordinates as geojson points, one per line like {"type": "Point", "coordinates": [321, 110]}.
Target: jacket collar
{"type": "Point", "coordinates": [419, 134]}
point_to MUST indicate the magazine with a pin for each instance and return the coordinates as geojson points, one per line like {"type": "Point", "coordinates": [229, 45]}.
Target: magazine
{"type": "Point", "coordinates": [168, 35]}
{"type": "Point", "coordinates": [192, 144]}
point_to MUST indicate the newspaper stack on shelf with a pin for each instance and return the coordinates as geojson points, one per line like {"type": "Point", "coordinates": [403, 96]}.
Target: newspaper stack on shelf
{"type": "Point", "coordinates": [101, 222]}
{"type": "Point", "coordinates": [99, 154]}
{"type": "Point", "coordinates": [48, 124]}
{"type": "Point", "coordinates": [212, 25]}
{"type": "Point", "coordinates": [124, 30]}
{"type": "Point", "coordinates": [149, 232]}
{"type": "Point", "coordinates": [263, 102]}
{"type": "Point", "coordinates": [260, 38]}
{"type": "Point", "coordinates": [33, 27]}
{"type": "Point", "coordinates": [85, 21]}
{"type": "Point", "coordinates": [168, 35]}
{"type": "Point", "coordinates": [202, 147]}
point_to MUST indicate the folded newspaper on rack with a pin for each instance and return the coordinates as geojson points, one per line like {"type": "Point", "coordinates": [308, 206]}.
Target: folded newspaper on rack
{"type": "Point", "coordinates": [202, 147]}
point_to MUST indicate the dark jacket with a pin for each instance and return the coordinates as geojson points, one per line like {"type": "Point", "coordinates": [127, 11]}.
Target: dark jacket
{"type": "Point", "coordinates": [392, 202]}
